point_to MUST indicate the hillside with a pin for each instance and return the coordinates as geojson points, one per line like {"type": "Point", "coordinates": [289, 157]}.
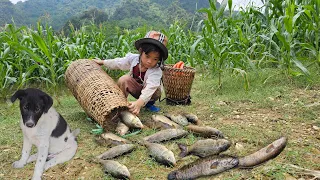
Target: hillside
{"type": "Point", "coordinates": [128, 13]}
{"type": "Point", "coordinates": [134, 14]}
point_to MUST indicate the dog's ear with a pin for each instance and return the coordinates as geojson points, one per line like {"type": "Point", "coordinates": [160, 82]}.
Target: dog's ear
{"type": "Point", "coordinates": [48, 101]}
{"type": "Point", "coordinates": [18, 94]}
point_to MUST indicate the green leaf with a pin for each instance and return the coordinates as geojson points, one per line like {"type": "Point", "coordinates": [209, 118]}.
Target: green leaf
{"type": "Point", "coordinates": [230, 7]}
{"type": "Point", "coordinates": [222, 7]}
{"type": "Point", "coordinates": [42, 45]}
{"type": "Point", "coordinates": [301, 67]}
{"type": "Point", "coordinates": [34, 56]}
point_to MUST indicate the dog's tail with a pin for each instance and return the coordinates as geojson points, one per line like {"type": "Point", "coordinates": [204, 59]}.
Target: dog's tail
{"type": "Point", "coordinates": [76, 132]}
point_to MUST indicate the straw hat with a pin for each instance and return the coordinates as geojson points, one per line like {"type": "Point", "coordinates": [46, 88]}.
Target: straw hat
{"type": "Point", "coordinates": [156, 38]}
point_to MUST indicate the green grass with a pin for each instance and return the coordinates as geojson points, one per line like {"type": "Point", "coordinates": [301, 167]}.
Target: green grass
{"type": "Point", "coordinates": [273, 106]}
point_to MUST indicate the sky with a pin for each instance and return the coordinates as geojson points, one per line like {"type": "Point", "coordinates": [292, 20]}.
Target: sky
{"type": "Point", "coordinates": [15, 1]}
{"type": "Point", "coordinates": [244, 3]}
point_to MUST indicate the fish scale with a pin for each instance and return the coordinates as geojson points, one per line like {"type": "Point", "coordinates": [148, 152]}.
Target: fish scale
{"type": "Point", "coordinates": [204, 167]}
{"type": "Point", "coordinates": [165, 135]}
{"type": "Point", "coordinates": [203, 148]}
{"type": "Point", "coordinates": [161, 153]}
{"type": "Point", "coordinates": [115, 169]}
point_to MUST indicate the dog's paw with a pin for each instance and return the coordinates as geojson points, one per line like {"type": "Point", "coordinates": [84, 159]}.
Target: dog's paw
{"type": "Point", "coordinates": [18, 164]}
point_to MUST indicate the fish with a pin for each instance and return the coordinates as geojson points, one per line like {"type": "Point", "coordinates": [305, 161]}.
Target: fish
{"type": "Point", "coordinates": [192, 118]}
{"type": "Point", "coordinates": [114, 139]}
{"type": "Point", "coordinates": [165, 135]}
{"type": "Point", "coordinates": [165, 122]}
{"type": "Point", "coordinates": [130, 120]}
{"type": "Point", "coordinates": [160, 153]}
{"type": "Point", "coordinates": [269, 152]}
{"type": "Point", "coordinates": [116, 151]}
{"type": "Point", "coordinates": [205, 131]}
{"type": "Point", "coordinates": [206, 147]}
{"type": "Point", "coordinates": [208, 166]}
{"type": "Point", "coordinates": [121, 128]}
{"type": "Point", "coordinates": [116, 169]}
{"type": "Point", "coordinates": [178, 118]}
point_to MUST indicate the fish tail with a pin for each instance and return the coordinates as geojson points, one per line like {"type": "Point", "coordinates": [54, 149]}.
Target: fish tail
{"type": "Point", "coordinates": [172, 175]}
{"type": "Point", "coordinates": [76, 132]}
{"type": "Point", "coordinates": [184, 149]}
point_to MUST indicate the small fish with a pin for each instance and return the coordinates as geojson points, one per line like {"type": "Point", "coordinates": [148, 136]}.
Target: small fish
{"type": "Point", "coordinates": [122, 129]}
{"type": "Point", "coordinates": [165, 135]}
{"type": "Point", "coordinates": [205, 131]}
{"type": "Point", "coordinates": [204, 167]}
{"type": "Point", "coordinates": [269, 152]}
{"type": "Point", "coordinates": [178, 118]}
{"type": "Point", "coordinates": [160, 153]}
{"type": "Point", "coordinates": [117, 151]}
{"type": "Point", "coordinates": [130, 120]}
{"type": "Point", "coordinates": [116, 169]}
{"type": "Point", "coordinates": [164, 121]}
{"type": "Point", "coordinates": [203, 148]}
{"type": "Point", "coordinates": [192, 118]}
{"type": "Point", "coordinates": [114, 139]}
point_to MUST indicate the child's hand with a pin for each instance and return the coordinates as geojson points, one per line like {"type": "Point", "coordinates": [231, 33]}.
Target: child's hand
{"type": "Point", "coordinates": [98, 61]}
{"type": "Point", "coordinates": [135, 106]}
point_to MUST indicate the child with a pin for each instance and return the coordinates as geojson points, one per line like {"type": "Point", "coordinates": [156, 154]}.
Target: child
{"type": "Point", "coordinates": [143, 80]}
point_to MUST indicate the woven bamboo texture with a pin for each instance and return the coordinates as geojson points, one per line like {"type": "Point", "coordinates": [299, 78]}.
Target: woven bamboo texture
{"type": "Point", "coordinates": [177, 82]}
{"type": "Point", "coordinates": [96, 92]}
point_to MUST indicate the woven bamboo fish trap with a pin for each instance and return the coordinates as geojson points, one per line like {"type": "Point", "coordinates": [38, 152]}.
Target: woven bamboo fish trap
{"type": "Point", "coordinates": [177, 84]}
{"type": "Point", "coordinates": [96, 92]}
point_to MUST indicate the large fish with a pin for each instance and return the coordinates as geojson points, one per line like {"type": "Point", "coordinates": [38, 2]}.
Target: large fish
{"type": "Point", "coordinates": [203, 148]}
{"type": "Point", "coordinates": [164, 122]}
{"type": "Point", "coordinates": [114, 139]}
{"type": "Point", "coordinates": [178, 118]}
{"type": "Point", "coordinates": [121, 128]}
{"type": "Point", "coordinates": [165, 135]}
{"type": "Point", "coordinates": [204, 167]}
{"type": "Point", "coordinates": [205, 131]}
{"type": "Point", "coordinates": [116, 169]}
{"type": "Point", "coordinates": [269, 152]}
{"type": "Point", "coordinates": [117, 151]}
{"type": "Point", "coordinates": [130, 120]}
{"type": "Point", "coordinates": [160, 153]}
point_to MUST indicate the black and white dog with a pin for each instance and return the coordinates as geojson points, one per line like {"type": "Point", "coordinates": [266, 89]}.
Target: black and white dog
{"type": "Point", "coordinates": [45, 128]}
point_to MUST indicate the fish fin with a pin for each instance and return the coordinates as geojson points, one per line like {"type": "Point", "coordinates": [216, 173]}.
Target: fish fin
{"type": "Point", "coordinates": [166, 126]}
{"type": "Point", "coordinates": [214, 165]}
{"type": "Point", "coordinates": [270, 148]}
{"type": "Point", "coordinates": [184, 149]}
{"type": "Point", "coordinates": [220, 135]}
{"type": "Point", "coordinates": [76, 132]}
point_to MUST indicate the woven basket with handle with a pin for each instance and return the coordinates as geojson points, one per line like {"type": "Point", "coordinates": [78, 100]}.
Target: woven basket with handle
{"type": "Point", "coordinates": [177, 84]}
{"type": "Point", "coordinates": [96, 92]}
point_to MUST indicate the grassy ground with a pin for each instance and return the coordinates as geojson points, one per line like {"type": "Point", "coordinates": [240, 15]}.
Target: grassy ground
{"type": "Point", "coordinates": [274, 106]}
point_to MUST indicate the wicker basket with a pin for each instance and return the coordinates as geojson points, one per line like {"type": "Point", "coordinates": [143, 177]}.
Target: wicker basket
{"type": "Point", "coordinates": [177, 84]}
{"type": "Point", "coordinates": [96, 92]}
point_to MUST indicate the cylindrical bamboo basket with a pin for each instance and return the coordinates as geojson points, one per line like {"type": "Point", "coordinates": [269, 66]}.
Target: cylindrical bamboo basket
{"type": "Point", "coordinates": [96, 92]}
{"type": "Point", "coordinates": [177, 84]}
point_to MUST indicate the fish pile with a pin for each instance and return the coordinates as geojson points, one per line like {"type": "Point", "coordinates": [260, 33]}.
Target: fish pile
{"type": "Point", "coordinates": [174, 126]}
{"type": "Point", "coordinates": [213, 165]}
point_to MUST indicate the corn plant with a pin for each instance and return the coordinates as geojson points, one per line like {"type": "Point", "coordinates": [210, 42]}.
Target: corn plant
{"type": "Point", "coordinates": [179, 44]}
{"type": "Point", "coordinates": [285, 36]}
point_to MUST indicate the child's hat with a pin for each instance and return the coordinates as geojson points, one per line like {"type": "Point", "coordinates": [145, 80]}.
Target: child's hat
{"type": "Point", "coordinates": [156, 38]}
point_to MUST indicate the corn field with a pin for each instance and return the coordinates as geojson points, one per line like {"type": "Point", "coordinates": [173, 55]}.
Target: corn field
{"type": "Point", "coordinates": [282, 34]}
